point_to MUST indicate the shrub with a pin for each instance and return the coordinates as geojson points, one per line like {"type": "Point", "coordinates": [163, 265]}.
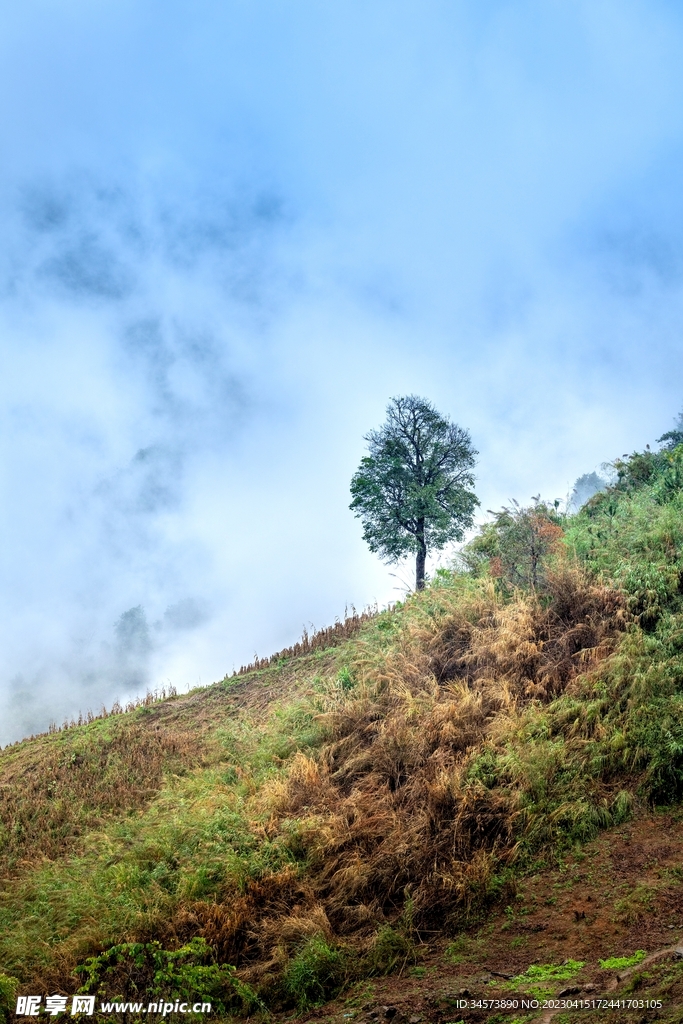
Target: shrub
{"type": "Point", "coordinates": [8, 992]}
{"type": "Point", "coordinates": [516, 547]}
{"type": "Point", "coordinates": [133, 968]}
{"type": "Point", "coordinates": [316, 973]}
{"type": "Point", "coordinates": [388, 950]}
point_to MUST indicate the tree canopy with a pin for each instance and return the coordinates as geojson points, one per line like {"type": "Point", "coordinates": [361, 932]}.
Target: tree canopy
{"type": "Point", "coordinates": [413, 491]}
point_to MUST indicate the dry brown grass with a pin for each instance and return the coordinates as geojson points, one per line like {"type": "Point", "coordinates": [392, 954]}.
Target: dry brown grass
{"type": "Point", "coordinates": [534, 646]}
{"type": "Point", "coordinates": [392, 826]}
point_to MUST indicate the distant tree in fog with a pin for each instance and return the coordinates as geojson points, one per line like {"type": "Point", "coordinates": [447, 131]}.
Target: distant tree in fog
{"type": "Point", "coordinates": [674, 437]}
{"type": "Point", "coordinates": [132, 648]}
{"type": "Point", "coordinates": [584, 488]}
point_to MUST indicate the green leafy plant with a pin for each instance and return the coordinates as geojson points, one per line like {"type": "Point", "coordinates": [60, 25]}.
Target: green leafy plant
{"type": "Point", "coordinates": [618, 963]}
{"type": "Point", "coordinates": [550, 972]}
{"type": "Point", "coordinates": [537, 977]}
{"type": "Point", "coordinates": [345, 679]}
{"type": "Point", "coordinates": [455, 951]}
{"type": "Point", "coordinates": [8, 992]}
{"type": "Point", "coordinates": [188, 973]}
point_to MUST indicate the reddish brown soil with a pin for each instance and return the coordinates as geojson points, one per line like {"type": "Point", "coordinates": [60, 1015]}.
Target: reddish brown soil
{"type": "Point", "coordinates": [621, 893]}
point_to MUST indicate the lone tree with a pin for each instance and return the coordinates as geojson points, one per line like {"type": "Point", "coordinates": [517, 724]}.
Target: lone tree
{"type": "Point", "coordinates": [412, 491]}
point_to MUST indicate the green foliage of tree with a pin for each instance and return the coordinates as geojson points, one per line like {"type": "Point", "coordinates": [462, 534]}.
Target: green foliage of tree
{"type": "Point", "coordinates": [638, 469]}
{"type": "Point", "coordinates": [413, 491]}
{"type": "Point", "coordinates": [642, 468]}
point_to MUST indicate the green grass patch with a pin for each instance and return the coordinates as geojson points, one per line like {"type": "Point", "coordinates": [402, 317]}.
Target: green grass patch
{"type": "Point", "coordinates": [632, 907]}
{"type": "Point", "coordinates": [542, 979]}
{"type": "Point", "coordinates": [619, 963]}
{"type": "Point", "coordinates": [390, 949]}
{"type": "Point", "coordinates": [315, 973]}
{"type": "Point", "coordinates": [549, 972]}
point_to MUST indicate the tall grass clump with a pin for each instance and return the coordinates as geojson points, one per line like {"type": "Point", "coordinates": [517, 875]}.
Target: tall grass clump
{"type": "Point", "coordinates": [315, 973]}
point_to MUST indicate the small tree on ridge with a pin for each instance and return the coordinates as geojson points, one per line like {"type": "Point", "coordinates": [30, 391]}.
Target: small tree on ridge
{"type": "Point", "coordinates": [412, 492]}
{"type": "Point", "coordinates": [526, 537]}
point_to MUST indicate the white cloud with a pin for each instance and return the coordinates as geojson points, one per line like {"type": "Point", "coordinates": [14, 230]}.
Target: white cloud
{"type": "Point", "coordinates": [233, 232]}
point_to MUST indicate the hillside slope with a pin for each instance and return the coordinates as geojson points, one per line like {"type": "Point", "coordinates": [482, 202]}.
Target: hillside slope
{"type": "Point", "coordinates": [366, 808]}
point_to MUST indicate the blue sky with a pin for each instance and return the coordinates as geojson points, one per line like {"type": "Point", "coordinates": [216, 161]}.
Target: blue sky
{"type": "Point", "coordinates": [232, 231]}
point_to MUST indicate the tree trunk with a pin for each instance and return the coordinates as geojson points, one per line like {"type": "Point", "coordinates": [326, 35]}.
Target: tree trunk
{"type": "Point", "coordinates": [420, 559]}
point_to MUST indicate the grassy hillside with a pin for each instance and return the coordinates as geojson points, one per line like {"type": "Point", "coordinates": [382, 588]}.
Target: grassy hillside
{"type": "Point", "coordinates": [338, 813]}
